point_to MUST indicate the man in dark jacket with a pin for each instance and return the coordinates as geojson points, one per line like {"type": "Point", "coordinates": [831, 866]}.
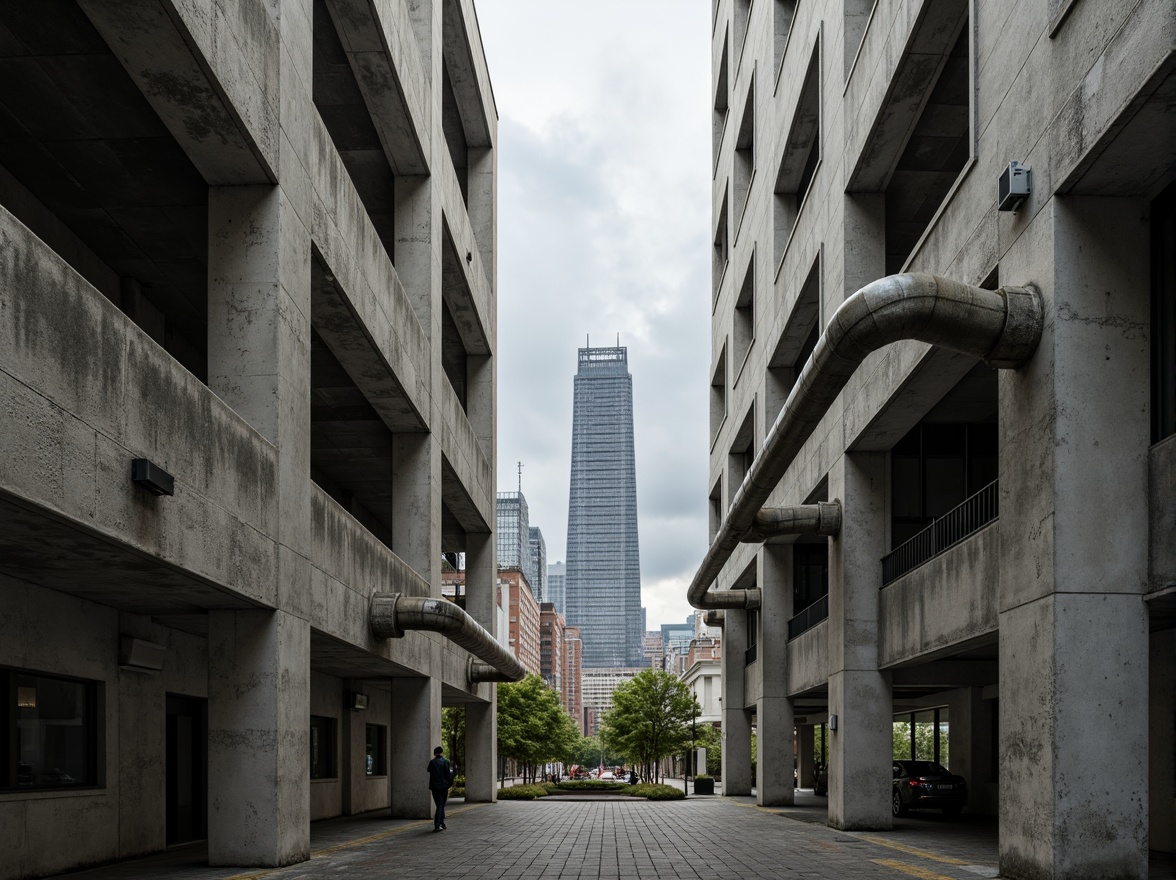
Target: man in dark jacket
{"type": "Point", "coordinates": [440, 778]}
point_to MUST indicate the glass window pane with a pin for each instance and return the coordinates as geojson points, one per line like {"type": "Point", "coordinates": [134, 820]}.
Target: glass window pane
{"type": "Point", "coordinates": [925, 736]}
{"type": "Point", "coordinates": [902, 740]}
{"type": "Point", "coordinates": [54, 734]}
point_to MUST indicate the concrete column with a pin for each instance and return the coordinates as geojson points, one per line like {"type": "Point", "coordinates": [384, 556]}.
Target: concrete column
{"type": "Point", "coordinates": [1074, 483]}
{"type": "Point", "coordinates": [481, 765]}
{"type": "Point", "coordinates": [805, 762]}
{"type": "Point", "coordinates": [859, 695]}
{"type": "Point", "coordinates": [736, 721]}
{"type": "Point", "coordinates": [775, 739]}
{"type": "Point", "coordinates": [1162, 742]}
{"type": "Point", "coordinates": [258, 735]}
{"type": "Point", "coordinates": [416, 505]}
{"type": "Point", "coordinates": [416, 706]}
{"type": "Point", "coordinates": [481, 751]}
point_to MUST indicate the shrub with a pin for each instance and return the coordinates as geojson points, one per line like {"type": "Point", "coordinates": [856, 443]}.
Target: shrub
{"type": "Point", "coordinates": [589, 785]}
{"type": "Point", "coordinates": [459, 781]}
{"type": "Point", "coordinates": [656, 792]}
{"type": "Point", "coordinates": [457, 791]}
{"type": "Point", "coordinates": [522, 792]}
{"type": "Point", "coordinates": [705, 778]}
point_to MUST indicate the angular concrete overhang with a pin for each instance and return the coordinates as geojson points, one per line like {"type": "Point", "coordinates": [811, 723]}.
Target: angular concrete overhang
{"type": "Point", "coordinates": [902, 53]}
{"type": "Point", "coordinates": [808, 659]}
{"type": "Point", "coordinates": [468, 72]}
{"type": "Point", "coordinates": [220, 102]}
{"type": "Point", "coordinates": [465, 285]}
{"type": "Point", "coordinates": [467, 478]}
{"type": "Point", "coordinates": [380, 45]}
{"type": "Point", "coordinates": [97, 392]}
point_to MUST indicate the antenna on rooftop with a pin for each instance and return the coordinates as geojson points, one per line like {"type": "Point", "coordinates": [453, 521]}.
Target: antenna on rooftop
{"type": "Point", "coordinates": [520, 477]}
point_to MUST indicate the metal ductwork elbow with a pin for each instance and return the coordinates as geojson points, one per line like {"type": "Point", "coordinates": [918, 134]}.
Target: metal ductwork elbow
{"type": "Point", "coordinates": [1001, 327]}
{"type": "Point", "coordinates": [392, 614]}
{"type": "Point", "coordinates": [715, 617]}
{"type": "Point", "coordinates": [822, 518]}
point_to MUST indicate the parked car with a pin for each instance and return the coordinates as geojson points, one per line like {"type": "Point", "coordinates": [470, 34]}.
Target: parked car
{"type": "Point", "coordinates": [922, 785]}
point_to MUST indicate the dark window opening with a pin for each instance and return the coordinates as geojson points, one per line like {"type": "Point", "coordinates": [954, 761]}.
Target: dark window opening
{"type": "Point", "coordinates": [48, 731]}
{"type": "Point", "coordinates": [88, 166]}
{"type": "Point", "coordinates": [722, 251]}
{"type": "Point", "coordinates": [376, 750]}
{"type": "Point", "coordinates": [323, 748]}
{"type": "Point", "coordinates": [742, 14]}
{"type": "Point", "coordinates": [783, 13]}
{"type": "Point", "coordinates": [340, 103]}
{"type": "Point", "coordinates": [741, 455]}
{"type": "Point", "coordinates": [718, 395]}
{"type": "Point", "coordinates": [795, 346]}
{"type": "Point", "coordinates": [722, 98]}
{"type": "Point", "coordinates": [934, 156]}
{"type": "Point", "coordinates": [1163, 354]}
{"type": "Point", "coordinates": [745, 154]}
{"type": "Point", "coordinates": [743, 322]}
{"type": "Point", "coordinates": [798, 163]}
{"type": "Point", "coordinates": [453, 355]}
{"type": "Point", "coordinates": [455, 135]}
{"type": "Point", "coordinates": [810, 574]}
{"type": "Point", "coordinates": [716, 508]}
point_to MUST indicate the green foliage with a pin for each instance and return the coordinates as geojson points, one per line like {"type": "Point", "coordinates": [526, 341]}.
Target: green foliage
{"type": "Point", "coordinates": [704, 778]}
{"type": "Point", "coordinates": [532, 725]}
{"type": "Point", "coordinates": [650, 719]}
{"type": "Point", "coordinates": [656, 792]}
{"type": "Point", "coordinates": [587, 752]}
{"type": "Point", "coordinates": [589, 785]}
{"type": "Point", "coordinates": [924, 741]}
{"type": "Point", "coordinates": [457, 791]}
{"type": "Point", "coordinates": [453, 734]}
{"type": "Point", "coordinates": [522, 792]}
{"type": "Point", "coordinates": [710, 738]}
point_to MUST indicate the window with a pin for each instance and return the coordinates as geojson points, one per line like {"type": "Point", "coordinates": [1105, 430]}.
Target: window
{"type": "Point", "coordinates": [1163, 373]}
{"type": "Point", "coordinates": [722, 98]}
{"type": "Point", "coordinates": [322, 748]}
{"type": "Point", "coordinates": [798, 163]}
{"type": "Point", "coordinates": [810, 574]}
{"type": "Point", "coordinates": [783, 14]}
{"type": "Point", "coordinates": [743, 324]}
{"type": "Point", "coordinates": [716, 507]}
{"type": "Point", "coordinates": [49, 737]}
{"type": "Point", "coordinates": [742, 15]}
{"type": "Point", "coordinates": [718, 395]}
{"type": "Point", "coordinates": [722, 252]}
{"type": "Point", "coordinates": [741, 455]}
{"type": "Point", "coordinates": [744, 155]}
{"type": "Point", "coordinates": [376, 750]}
{"type": "Point", "coordinates": [795, 346]}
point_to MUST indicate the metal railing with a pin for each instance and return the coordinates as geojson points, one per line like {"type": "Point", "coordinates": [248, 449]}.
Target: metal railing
{"type": "Point", "coordinates": [809, 618]}
{"type": "Point", "coordinates": [945, 532]}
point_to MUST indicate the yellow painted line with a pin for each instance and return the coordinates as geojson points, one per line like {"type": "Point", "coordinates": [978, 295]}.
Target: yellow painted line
{"type": "Point", "coordinates": [353, 843]}
{"type": "Point", "coordinates": [911, 851]}
{"type": "Point", "coordinates": [910, 870]}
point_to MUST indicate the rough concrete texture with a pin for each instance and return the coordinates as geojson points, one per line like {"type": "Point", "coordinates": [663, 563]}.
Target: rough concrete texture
{"type": "Point", "coordinates": [1079, 91]}
{"type": "Point", "coordinates": [253, 574]}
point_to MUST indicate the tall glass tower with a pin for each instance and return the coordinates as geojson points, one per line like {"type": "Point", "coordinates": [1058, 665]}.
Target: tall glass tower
{"type": "Point", "coordinates": [603, 568]}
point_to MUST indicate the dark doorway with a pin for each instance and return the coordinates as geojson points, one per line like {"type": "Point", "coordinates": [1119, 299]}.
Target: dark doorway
{"type": "Point", "coordinates": [187, 768]}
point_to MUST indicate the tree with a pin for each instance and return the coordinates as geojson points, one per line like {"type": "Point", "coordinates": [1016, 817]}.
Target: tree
{"type": "Point", "coordinates": [650, 719]}
{"type": "Point", "coordinates": [532, 725]}
{"type": "Point", "coordinates": [710, 738]}
{"type": "Point", "coordinates": [453, 734]}
{"type": "Point", "coordinates": [588, 752]}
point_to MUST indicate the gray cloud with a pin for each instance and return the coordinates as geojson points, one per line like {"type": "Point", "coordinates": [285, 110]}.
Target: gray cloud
{"type": "Point", "coordinates": [604, 219]}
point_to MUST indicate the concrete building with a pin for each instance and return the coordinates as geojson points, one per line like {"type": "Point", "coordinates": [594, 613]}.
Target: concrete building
{"type": "Point", "coordinates": [654, 649]}
{"type": "Point", "coordinates": [598, 685]}
{"type": "Point", "coordinates": [247, 333]}
{"type": "Point", "coordinates": [538, 566]}
{"type": "Point", "coordinates": [557, 587]}
{"type": "Point", "coordinates": [573, 695]}
{"type": "Point", "coordinates": [603, 565]}
{"type": "Point", "coordinates": [513, 533]}
{"type": "Point", "coordinates": [523, 618]}
{"type": "Point", "coordinates": [1016, 476]}
{"type": "Point", "coordinates": [704, 677]}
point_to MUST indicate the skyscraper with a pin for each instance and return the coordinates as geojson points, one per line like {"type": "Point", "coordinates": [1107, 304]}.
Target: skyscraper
{"type": "Point", "coordinates": [538, 569]}
{"type": "Point", "coordinates": [513, 535]}
{"type": "Point", "coordinates": [557, 580]}
{"type": "Point", "coordinates": [603, 568]}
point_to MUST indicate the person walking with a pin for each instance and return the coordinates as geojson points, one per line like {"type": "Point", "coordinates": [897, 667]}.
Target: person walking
{"type": "Point", "coordinates": [440, 778]}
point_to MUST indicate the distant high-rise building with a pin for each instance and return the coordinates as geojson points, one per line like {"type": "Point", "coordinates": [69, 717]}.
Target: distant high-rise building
{"type": "Point", "coordinates": [572, 693]}
{"type": "Point", "coordinates": [604, 572]}
{"type": "Point", "coordinates": [537, 573]}
{"type": "Point", "coordinates": [513, 533]}
{"type": "Point", "coordinates": [523, 612]}
{"type": "Point", "coordinates": [557, 584]}
{"type": "Point", "coordinates": [655, 649]}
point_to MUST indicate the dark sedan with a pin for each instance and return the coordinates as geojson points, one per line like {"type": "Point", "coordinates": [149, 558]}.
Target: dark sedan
{"type": "Point", "coordinates": [922, 785]}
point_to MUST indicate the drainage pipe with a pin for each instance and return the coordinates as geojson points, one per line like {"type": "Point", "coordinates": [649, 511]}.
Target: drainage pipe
{"type": "Point", "coordinates": [1001, 327]}
{"type": "Point", "coordinates": [822, 518]}
{"type": "Point", "coordinates": [392, 614]}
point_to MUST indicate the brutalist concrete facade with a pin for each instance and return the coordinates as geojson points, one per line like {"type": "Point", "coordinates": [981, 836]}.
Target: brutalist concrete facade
{"type": "Point", "coordinates": [253, 243]}
{"type": "Point", "coordinates": [1003, 571]}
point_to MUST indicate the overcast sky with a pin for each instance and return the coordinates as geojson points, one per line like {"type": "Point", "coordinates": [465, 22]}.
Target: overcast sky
{"type": "Point", "coordinates": [603, 228]}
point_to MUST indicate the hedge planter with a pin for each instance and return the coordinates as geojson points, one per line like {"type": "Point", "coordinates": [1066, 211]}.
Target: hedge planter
{"type": "Point", "coordinates": [704, 785]}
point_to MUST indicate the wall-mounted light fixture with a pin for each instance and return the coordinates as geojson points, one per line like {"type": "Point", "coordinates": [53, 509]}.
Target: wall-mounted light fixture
{"type": "Point", "coordinates": [359, 701]}
{"type": "Point", "coordinates": [26, 698]}
{"type": "Point", "coordinates": [152, 477]}
{"type": "Point", "coordinates": [832, 722]}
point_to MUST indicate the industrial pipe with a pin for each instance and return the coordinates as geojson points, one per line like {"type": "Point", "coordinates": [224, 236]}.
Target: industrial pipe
{"type": "Point", "coordinates": [715, 617]}
{"type": "Point", "coordinates": [392, 614]}
{"type": "Point", "coordinates": [822, 518]}
{"type": "Point", "coordinates": [1001, 327]}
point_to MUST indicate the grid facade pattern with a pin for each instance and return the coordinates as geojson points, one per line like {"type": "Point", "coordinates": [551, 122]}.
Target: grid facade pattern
{"type": "Point", "coordinates": [557, 587]}
{"type": "Point", "coordinates": [537, 573]}
{"type": "Point", "coordinates": [603, 566]}
{"type": "Point", "coordinates": [512, 538]}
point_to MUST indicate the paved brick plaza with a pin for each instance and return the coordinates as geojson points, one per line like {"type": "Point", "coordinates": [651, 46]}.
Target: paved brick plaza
{"type": "Point", "coordinates": [715, 839]}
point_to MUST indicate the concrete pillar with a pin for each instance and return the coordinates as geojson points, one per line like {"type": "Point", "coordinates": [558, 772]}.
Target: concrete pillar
{"type": "Point", "coordinates": [481, 744]}
{"type": "Point", "coordinates": [258, 735]}
{"type": "Point", "coordinates": [1074, 483]}
{"type": "Point", "coordinates": [416, 505]}
{"type": "Point", "coordinates": [416, 706]}
{"type": "Point", "coordinates": [805, 762]}
{"type": "Point", "coordinates": [736, 721]}
{"type": "Point", "coordinates": [859, 695]}
{"type": "Point", "coordinates": [1162, 742]}
{"type": "Point", "coordinates": [775, 740]}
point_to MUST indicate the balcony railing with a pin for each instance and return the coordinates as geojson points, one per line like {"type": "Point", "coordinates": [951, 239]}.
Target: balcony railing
{"type": "Point", "coordinates": [809, 618]}
{"type": "Point", "coordinates": [947, 531]}
{"type": "Point", "coordinates": [749, 655]}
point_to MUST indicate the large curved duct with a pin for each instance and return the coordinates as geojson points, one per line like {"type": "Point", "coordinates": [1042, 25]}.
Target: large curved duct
{"type": "Point", "coordinates": [392, 614]}
{"type": "Point", "coordinates": [1001, 327]}
{"type": "Point", "coordinates": [822, 518]}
